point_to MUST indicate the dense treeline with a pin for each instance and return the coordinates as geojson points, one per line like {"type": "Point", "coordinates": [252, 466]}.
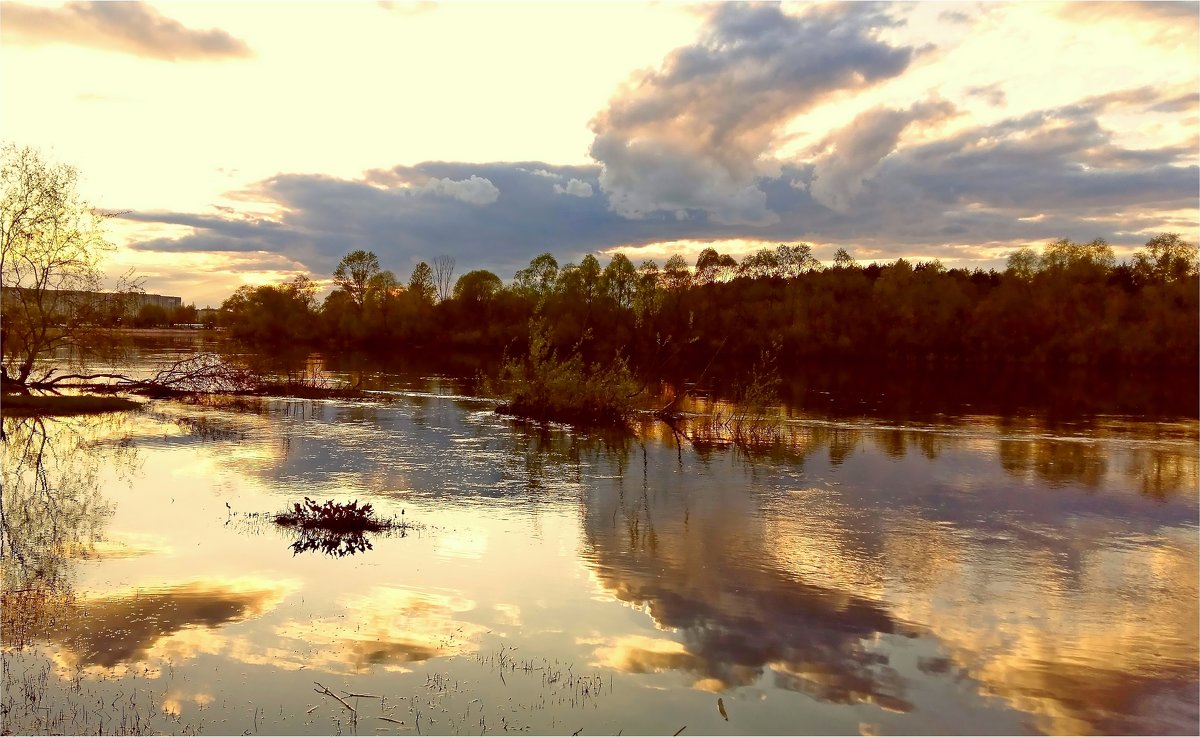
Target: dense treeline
{"type": "Point", "coordinates": [1073, 303]}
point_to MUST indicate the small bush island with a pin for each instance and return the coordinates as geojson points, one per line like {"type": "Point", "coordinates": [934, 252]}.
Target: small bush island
{"type": "Point", "coordinates": [542, 386]}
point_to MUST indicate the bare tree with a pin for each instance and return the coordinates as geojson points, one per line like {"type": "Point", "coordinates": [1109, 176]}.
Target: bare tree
{"type": "Point", "coordinates": [443, 273]}
{"type": "Point", "coordinates": [51, 246]}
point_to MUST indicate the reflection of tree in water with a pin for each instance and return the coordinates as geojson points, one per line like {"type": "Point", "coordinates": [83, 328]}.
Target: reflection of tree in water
{"type": "Point", "coordinates": [335, 544]}
{"type": "Point", "coordinates": [1058, 463]}
{"type": "Point", "coordinates": [798, 438]}
{"type": "Point", "coordinates": [548, 458]}
{"type": "Point", "coordinates": [1088, 634]}
{"type": "Point", "coordinates": [339, 544]}
{"type": "Point", "coordinates": [1160, 473]}
{"type": "Point", "coordinates": [698, 568]}
{"type": "Point", "coordinates": [52, 510]}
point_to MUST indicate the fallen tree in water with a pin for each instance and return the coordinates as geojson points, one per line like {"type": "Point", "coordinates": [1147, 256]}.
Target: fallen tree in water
{"type": "Point", "coordinates": [71, 404]}
{"type": "Point", "coordinates": [203, 373]}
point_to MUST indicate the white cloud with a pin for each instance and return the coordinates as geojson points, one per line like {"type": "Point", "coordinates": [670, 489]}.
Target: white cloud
{"type": "Point", "coordinates": [476, 190]}
{"type": "Point", "coordinates": [698, 133]}
{"type": "Point", "coordinates": [575, 187]}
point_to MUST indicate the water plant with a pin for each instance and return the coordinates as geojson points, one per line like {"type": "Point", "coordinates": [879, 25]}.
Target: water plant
{"type": "Point", "coordinates": [332, 516]}
{"type": "Point", "coordinates": [544, 386]}
{"type": "Point", "coordinates": [337, 529]}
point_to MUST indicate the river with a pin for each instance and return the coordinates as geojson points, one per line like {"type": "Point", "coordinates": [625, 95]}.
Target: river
{"type": "Point", "coordinates": [876, 571]}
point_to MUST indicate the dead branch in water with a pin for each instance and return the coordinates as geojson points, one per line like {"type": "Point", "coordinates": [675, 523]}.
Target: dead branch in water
{"type": "Point", "coordinates": [203, 373]}
{"type": "Point", "coordinates": [322, 690]}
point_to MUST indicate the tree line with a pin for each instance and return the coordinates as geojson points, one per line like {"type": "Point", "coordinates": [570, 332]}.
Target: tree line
{"type": "Point", "coordinates": [1072, 303]}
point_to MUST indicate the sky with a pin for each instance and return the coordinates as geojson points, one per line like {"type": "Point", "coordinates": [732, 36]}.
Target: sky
{"type": "Point", "coordinates": [245, 143]}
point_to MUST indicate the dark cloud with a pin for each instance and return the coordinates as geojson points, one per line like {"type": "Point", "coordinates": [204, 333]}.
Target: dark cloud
{"type": "Point", "coordinates": [128, 27]}
{"type": "Point", "coordinates": [993, 93]}
{"type": "Point", "coordinates": [955, 16]}
{"type": "Point", "coordinates": [685, 152]}
{"type": "Point", "coordinates": [1186, 102]}
{"type": "Point", "coordinates": [397, 213]}
{"type": "Point", "coordinates": [855, 152]}
{"type": "Point", "coordinates": [1049, 174]}
{"type": "Point", "coordinates": [694, 134]}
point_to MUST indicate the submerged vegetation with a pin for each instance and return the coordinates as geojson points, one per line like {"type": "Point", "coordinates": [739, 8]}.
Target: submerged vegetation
{"type": "Point", "coordinates": [335, 528]}
{"type": "Point", "coordinates": [543, 386]}
{"type": "Point", "coordinates": [332, 517]}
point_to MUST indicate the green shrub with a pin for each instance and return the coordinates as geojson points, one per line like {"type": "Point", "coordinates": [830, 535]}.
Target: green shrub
{"type": "Point", "coordinates": [542, 386]}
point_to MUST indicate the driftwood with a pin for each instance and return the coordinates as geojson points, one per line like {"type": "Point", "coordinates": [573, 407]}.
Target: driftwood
{"type": "Point", "coordinates": [203, 373]}
{"type": "Point", "coordinates": [323, 690]}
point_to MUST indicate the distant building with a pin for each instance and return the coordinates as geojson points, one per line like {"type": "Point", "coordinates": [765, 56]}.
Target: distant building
{"type": "Point", "coordinates": [129, 303]}
{"type": "Point", "coordinates": [138, 301]}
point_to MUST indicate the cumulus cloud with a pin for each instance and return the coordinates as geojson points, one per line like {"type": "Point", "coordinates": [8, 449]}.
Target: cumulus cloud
{"type": "Point", "coordinates": [869, 185]}
{"type": "Point", "coordinates": [697, 133]}
{"type": "Point", "coordinates": [575, 187]}
{"type": "Point", "coordinates": [322, 218]}
{"type": "Point", "coordinates": [475, 190]}
{"type": "Point", "coordinates": [127, 27]}
{"type": "Point", "coordinates": [855, 153]}
{"type": "Point", "coordinates": [415, 180]}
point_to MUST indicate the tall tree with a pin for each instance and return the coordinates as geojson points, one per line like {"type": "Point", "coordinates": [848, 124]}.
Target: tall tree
{"type": "Point", "coordinates": [618, 279]}
{"type": "Point", "coordinates": [354, 272]}
{"type": "Point", "coordinates": [51, 247]}
{"type": "Point", "coordinates": [421, 284]}
{"type": "Point", "coordinates": [477, 287]}
{"type": "Point", "coordinates": [1167, 258]}
{"type": "Point", "coordinates": [589, 278]}
{"type": "Point", "coordinates": [1023, 264]}
{"type": "Point", "coordinates": [443, 276]}
{"type": "Point", "coordinates": [796, 260]}
{"type": "Point", "coordinates": [843, 260]}
{"type": "Point", "coordinates": [676, 274]}
{"type": "Point", "coordinates": [539, 277]}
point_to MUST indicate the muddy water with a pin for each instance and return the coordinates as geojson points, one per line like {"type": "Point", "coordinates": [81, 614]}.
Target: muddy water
{"type": "Point", "coordinates": [864, 575]}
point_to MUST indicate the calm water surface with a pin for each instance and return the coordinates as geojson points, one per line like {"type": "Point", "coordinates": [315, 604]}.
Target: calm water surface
{"type": "Point", "coordinates": [869, 575]}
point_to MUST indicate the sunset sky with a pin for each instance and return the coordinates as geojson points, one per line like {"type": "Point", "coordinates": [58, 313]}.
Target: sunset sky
{"type": "Point", "coordinates": [243, 143]}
